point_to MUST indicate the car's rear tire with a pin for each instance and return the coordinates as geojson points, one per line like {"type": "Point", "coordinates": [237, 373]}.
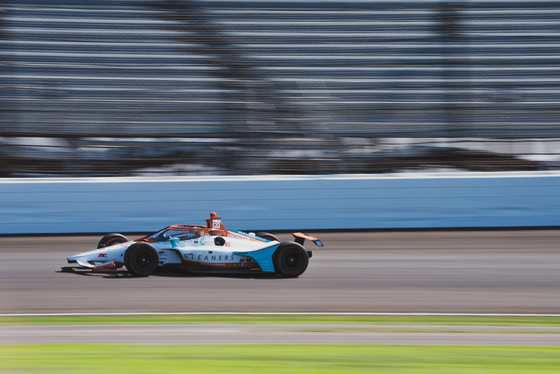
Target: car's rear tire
{"type": "Point", "coordinates": [111, 239]}
{"type": "Point", "coordinates": [141, 259]}
{"type": "Point", "coordinates": [267, 236]}
{"type": "Point", "coordinates": [290, 260]}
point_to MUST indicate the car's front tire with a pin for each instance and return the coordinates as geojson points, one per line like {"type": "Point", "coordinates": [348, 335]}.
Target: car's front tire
{"type": "Point", "coordinates": [111, 239]}
{"type": "Point", "coordinates": [290, 260]}
{"type": "Point", "coordinates": [141, 259]}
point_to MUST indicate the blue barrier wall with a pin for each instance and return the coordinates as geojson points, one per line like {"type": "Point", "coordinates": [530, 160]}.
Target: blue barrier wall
{"type": "Point", "coordinates": [281, 203]}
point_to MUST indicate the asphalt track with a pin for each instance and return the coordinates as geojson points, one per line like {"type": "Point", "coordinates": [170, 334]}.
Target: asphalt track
{"type": "Point", "coordinates": [401, 272]}
{"type": "Point", "coordinates": [387, 272]}
{"type": "Point", "coordinates": [279, 334]}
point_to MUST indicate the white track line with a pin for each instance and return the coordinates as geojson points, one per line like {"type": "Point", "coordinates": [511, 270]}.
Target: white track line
{"type": "Point", "coordinates": [278, 314]}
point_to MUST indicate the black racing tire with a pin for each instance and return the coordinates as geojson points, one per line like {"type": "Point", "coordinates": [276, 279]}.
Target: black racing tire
{"type": "Point", "coordinates": [290, 260]}
{"type": "Point", "coordinates": [267, 236]}
{"type": "Point", "coordinates": [111, 239]}
{"type": "Point", "coordinates": [141, 259]}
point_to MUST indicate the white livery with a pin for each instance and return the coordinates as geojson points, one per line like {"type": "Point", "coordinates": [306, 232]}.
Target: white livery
{"type": "Point", "coordinates": [197, 248]}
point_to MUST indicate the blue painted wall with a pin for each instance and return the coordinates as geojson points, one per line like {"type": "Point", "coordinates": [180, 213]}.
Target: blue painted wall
{"type": "Point", "coordinates": [281, 203]}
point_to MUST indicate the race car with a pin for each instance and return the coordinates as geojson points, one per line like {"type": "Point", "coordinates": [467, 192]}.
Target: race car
{"type": "Point", "coordinates": [196, 248]}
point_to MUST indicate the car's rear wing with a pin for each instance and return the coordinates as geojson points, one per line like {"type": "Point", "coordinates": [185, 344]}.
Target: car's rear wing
{"type": "Point", "coordinates": [300, 239]}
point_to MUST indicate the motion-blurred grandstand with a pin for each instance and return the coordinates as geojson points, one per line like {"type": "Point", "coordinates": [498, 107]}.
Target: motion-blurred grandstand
{"type": "Point", "coordinates": [250, 87]}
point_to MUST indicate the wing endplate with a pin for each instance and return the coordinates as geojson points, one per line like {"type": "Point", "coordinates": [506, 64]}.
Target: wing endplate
{"type": "Point", "coordinates": [106, 266]}
{"type": "Point", "coordinates": [300, 239]}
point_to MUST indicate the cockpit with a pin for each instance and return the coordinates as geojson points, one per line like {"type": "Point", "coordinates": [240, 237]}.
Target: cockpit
{"type": "Point", "coordinates": [183, 233]}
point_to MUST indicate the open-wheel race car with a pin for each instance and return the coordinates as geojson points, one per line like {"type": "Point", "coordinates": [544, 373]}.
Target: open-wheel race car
{"type": "Point", "coordinates": [211, 248]}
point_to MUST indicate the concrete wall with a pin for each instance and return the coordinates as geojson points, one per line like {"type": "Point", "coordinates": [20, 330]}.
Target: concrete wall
{"type": "Point", "coordinates": [281, 203]}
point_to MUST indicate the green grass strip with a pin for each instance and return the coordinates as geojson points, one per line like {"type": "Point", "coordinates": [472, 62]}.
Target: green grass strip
{"type": "Point", "coordinates": [247, 359]}
{"type": "Point", "coordinates": [280, 319]}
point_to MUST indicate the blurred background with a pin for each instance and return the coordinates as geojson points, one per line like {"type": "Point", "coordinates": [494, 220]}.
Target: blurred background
{"type": "Point", "coordinates": [94, 88]}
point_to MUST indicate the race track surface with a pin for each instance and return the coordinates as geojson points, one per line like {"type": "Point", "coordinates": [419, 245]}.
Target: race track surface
{"type": "Point", "coordinates": [276, 334]}
{"type": "Point", "coordinates": [402, 272]}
